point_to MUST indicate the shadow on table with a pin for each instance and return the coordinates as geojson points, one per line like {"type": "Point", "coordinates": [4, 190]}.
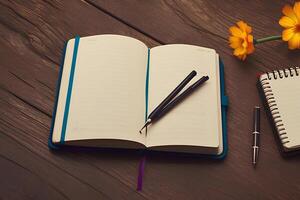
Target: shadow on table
{"type": "Point", "coordinates": [127, 154]}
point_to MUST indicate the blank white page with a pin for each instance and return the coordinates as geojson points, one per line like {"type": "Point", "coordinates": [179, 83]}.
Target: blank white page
{"type": "Point", "coordinates": [197, 120]}
{"type": "Point", "coordinates": [108, 96]}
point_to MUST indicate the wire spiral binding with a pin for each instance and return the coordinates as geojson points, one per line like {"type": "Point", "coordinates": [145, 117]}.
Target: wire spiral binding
{"type": "Point", "coordinates": [277, 74]}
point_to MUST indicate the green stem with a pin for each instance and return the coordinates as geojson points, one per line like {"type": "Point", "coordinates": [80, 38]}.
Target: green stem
{"type": "Point", "coordinates": [267, 39]}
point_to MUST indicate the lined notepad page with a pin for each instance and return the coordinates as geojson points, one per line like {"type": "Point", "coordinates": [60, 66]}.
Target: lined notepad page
{"type": "Point", "coordinates": [197, 120]}
{"type": "Point", "coordinates": [108, 96]}
{"type": "Point", "coordinates": [287, 97]}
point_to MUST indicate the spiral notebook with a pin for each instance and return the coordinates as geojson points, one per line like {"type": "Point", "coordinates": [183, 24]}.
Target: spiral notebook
{"type": "Point", "coordinates": [281, 92]}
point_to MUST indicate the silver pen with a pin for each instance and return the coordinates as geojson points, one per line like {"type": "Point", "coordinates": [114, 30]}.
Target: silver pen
{"type": "Point", "coordinates": [256, 134]}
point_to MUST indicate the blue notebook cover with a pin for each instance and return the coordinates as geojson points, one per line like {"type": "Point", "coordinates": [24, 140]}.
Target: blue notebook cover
{"type": "Point", "coordinates": [224, 104]}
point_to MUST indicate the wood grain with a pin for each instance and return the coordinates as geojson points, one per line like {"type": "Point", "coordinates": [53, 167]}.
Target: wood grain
{"type": "Point", "coordinates": [32, 37]}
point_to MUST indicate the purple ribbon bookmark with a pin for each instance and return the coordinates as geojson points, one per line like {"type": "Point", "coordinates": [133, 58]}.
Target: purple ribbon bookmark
{"type": "Point", "coordinates": [141, 173]}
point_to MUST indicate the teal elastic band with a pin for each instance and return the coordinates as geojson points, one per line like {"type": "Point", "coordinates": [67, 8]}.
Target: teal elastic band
{"type": "Point", "coordinates": [70, 86]}
{"type": "Point", "coordinates": [147, 85]}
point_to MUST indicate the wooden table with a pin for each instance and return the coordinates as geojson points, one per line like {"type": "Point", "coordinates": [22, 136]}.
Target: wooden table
{"type": "Point", "coordinates": [32, 38]}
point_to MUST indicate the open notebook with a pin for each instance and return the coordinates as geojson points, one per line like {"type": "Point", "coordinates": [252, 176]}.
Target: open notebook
{"type": "Point", "coordinates": [281, 92]}
{"type": "Point", "coordinates": [110, 82]}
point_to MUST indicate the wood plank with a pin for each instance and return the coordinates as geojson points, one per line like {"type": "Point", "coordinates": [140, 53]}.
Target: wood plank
{"type": "Point", "coordinates": [206, 23]}
{"type": "Point", "coordinates": [26, 176]}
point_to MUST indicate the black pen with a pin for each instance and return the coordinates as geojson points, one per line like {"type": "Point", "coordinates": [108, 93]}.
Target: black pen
{"type": "Point", "coordinates": [158, 109]}
{"type": "Point", "coordinates": [161, 111]}
{"type": "Point", "coordinates": [256, 133]}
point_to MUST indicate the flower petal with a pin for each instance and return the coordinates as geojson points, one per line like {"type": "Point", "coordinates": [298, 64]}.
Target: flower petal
{"type": "Point", "coordinates": [245, 44]}
{"type": "Point", "coordinates": [239, 51]}
{"type": "Point", "coordinates": [294, 42]}
{"type": "Point", "coordinates": [297, 10]}
{"type": "Point", "coordinates": [235, 31]}
{"type": "Point", "coordinates": [244, 27]}
{"type": "Point", "coordinates": [235, 42]}
{"type": "Point", "coordinates": [250, 48]}
{"type": "Point", "coordinates": [288, 34]}
{"type": "Point", "coordinates": [287, 22]}
{"type": "Point", "coordinates": [289, 12]}
{"type": "Point", "coordinates": [250, 38]}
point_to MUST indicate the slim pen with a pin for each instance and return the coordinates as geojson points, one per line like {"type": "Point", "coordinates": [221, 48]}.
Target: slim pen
{"type": "Point", "coordinates": [256, 134]}
{"type": "Point", "coordinates": [176, 101]}
{"type": "Point", "coordinates": [169, 98]}
{"type": "Point", "coordinates": [180, 98]}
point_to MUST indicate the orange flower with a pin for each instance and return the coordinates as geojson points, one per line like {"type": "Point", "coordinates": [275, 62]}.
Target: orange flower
{"type": "Point", "coordinates": [291, 23]}
{"type": "Point", "coordinates": [241, 40]}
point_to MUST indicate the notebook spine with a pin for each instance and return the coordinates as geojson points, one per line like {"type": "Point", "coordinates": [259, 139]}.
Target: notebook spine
{"type": "Point", "coordinates": [271, 101]}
